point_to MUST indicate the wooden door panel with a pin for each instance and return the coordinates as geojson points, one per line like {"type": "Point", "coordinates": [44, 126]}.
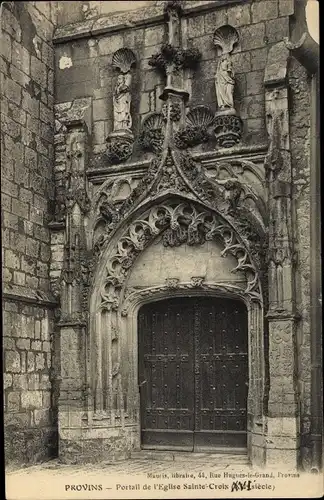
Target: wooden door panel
{"type": "Point", "coordinates": [222, 353]}
{"type": "Point", "coordinates": [167, 401]}
{"type": "Point", "coordinates": [193, 360]}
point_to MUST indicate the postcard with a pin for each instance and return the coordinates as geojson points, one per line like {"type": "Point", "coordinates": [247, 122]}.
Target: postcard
{"type": "Point", "coordinates": [161, 249]}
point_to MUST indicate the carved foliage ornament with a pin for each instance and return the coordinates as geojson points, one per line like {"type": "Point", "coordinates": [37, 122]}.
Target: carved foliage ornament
{"type": "Point", "coordinates": [228, 130]}
{"type": "Point", "coordinates": [152, 132]}
{"type": "Point", "coordinates": [183, 175]}
{"type": "Point", "coordinates": [173, 5]}
{"type": "Point", "coordinates": [119, 149]}
{"type": "Point", "coordinates": [169, 178]}
{"type": "Point", "coordinates": [107, 217]}
{"type": "Point", "coordinates": [172, 283]}
{"type": "Point", "coordinates": [198, 120]}
{"type": "Point", "coordinates": [175, 111]}
{"type": "Point", "coordinates": [175, 57]}
{"type": "Point", "coordinates": [177, 224]}
{"type": "Point", "coordinates": [153, 127]}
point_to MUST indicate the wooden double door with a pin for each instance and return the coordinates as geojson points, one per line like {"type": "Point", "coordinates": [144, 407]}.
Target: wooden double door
{"type": "Point", "coordinates": [193, 374]}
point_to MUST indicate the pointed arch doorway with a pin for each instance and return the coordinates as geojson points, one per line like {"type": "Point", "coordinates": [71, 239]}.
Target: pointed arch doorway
{"type": "Point", "coordinates": [193, 374]}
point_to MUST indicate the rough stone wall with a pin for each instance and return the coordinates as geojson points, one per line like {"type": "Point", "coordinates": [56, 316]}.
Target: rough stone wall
{"type": "Point", "coordinates": [26, 187]}
{"type": "Point", "coordinates": [70, 12]}
{"type": "Point", "coordinates": [29, 415]}
{"type": "Point", "coordinates": [300, 91]}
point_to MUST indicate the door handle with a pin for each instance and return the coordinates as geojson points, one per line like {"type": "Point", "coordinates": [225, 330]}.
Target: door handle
{"type": "Point", "coordinates": [142, 383]}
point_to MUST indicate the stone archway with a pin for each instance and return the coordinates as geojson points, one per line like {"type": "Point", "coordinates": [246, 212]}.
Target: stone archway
{"type": "Point", "coordinates": [196, 288]}
{"type": "Point", "coordinates": [112, 365]}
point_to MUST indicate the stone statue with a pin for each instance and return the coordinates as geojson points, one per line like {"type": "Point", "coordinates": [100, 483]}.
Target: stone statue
{"type": "Point", "coordinates": [224, 82]}
{"type": "Point", "coordinates": [122, 101]}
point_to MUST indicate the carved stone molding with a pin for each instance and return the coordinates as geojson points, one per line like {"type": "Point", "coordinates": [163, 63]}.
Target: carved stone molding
{"type": "Point", "coordinates": [305, 50]}
{"type": "Point", "coordinates": [228, 129]}
{"type": "Point", "coordinates": [172, 283]}
{"type": "Point", "coordinates": [181, 175]}
{"type": "Point", "coordinates": [119, 147]}
{"type": "Point", "coordinates": [105, 207]}
{"type": "Point", "coordinates": [116, 21]}
{"type": "Point", "coordinates": [123, 60]}
{"type": "Point", "coordinates": [196, 286]}
{"type": "Point", "coordinates": [68, 116]}
{"type": "Point", "coordinates": [196, 130]}
{"type": "Point", "coordinates": [197, 281]}
{"type": "Point", "coordinates": [152, 132]}
{"type": "Point", "coordinates": [178, 223]}
{"type": "Point", "coordinates": [74, 280]}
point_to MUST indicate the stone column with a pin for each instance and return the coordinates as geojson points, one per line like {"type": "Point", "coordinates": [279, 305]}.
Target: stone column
{"type": "Point", "coordinates": [73, 307]}
{"type": "Point", "coordinates": [174, 95]}
{"type": "Point", "coordinates": [306, 51]}
{"type": "Point", "coordinates": [173, 61]}
{"type": "Point", "coordinates": [282, 442]}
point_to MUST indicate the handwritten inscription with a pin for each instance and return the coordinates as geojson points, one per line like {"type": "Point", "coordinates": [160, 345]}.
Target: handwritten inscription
{"type": "Point", "coordinates": [249, 485]}
{"type": "Point", "coordinates": [240, 486]}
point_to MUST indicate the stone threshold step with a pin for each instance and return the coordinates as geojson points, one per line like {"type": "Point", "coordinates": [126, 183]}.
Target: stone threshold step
{"type": "Point", "coordinates": [228, 456]}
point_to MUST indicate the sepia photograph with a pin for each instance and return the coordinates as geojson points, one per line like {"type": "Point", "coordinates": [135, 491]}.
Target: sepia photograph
{"type": "Point", "coordinates": [161, 249]}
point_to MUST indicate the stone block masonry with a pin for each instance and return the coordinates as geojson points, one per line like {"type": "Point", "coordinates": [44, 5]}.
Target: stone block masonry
{"type": "Point", "coordinates": [27, 144]}
{"type": "Point", "coordinates": [27, 91]}
{"type": "Point", "coordinates": [29, 413]}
